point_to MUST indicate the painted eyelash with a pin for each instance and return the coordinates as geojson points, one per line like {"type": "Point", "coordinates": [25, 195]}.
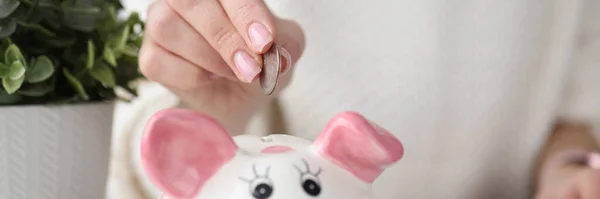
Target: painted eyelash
{"type": "Point", "coordinates": [256, 175]}
{"type": "Point", "coordinates": [307, 171]}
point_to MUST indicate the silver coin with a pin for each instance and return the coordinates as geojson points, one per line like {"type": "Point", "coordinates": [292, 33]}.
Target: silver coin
{"type": "Point", "coordinates": [271, 69]}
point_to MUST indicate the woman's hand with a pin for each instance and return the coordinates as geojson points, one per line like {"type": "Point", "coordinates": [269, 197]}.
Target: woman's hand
{"type": "Point", "coordinates": [208, 52]}
{"type": "Point", "coordinates": [574, 182]}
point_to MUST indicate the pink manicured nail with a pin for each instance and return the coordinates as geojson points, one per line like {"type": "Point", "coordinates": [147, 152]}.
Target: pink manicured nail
{"type": "Point", "coordinates": [259, 35]}
{"type": "Point", "coordinates": [594, 161]}
{"type": "Point", "coordinates": [247, 66]}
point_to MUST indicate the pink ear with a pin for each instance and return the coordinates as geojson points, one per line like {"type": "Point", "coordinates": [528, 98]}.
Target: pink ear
{"type": "Point", "coordinates": [359, 146]}
{"type": "Point", "coordinates": [182, 149]}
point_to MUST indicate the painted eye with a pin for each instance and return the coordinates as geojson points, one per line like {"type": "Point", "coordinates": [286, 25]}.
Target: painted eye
{"type": "Point", "coordinates": [311, 185]}
{"type": "Point", "coordinates": [261, 187]}
{"type": "Point", "coordinates": [262, 190]}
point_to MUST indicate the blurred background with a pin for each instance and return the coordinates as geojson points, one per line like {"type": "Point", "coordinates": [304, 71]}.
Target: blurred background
{"type": "Point", "coordinates": [448, 51]}
{"type": "Point", "coordinates": [473, 89]}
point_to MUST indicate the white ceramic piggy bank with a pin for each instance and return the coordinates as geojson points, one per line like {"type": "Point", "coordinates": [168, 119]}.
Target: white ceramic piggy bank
{"type": "Point", "coordinates": [188, 155]}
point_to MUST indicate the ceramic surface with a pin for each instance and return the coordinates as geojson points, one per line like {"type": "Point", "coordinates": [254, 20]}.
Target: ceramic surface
{"type": "Point", "coordinates": [188, 155]}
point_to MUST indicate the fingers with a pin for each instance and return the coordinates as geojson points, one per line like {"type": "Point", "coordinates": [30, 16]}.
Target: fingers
{"type": "Point", "coordinates": [589, 185]}
{"type": "Point", "coordinates": [222, 37]}
{"type": "Point", "coordinates": [159, 65]}
{"type": "Point", "coordinates": [291, 40]}
{"type": "Point", "coordinates": [253, 21]}
{"type": "Point", "coordinates": [172, 33]}
{"type": "Point", "coordinates": [209, 19]}
{"type": "Point", "coordinates": [570, 193]}
{"type": "Point", "coordinates": [291, 37]}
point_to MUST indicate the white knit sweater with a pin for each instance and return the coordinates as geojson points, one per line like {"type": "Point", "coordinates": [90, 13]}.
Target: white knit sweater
{"type": "Point", "coordinates": [470, 87]}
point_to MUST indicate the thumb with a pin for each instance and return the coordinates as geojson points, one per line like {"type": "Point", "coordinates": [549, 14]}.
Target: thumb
{"type": "Point", "coordinates": [291, 38]}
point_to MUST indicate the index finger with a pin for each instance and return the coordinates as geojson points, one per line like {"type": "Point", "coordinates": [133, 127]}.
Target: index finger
{"type": "Point", "coordinates": [253, 21]}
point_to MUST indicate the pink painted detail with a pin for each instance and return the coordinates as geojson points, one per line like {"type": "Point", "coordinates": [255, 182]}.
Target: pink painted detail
{"type": "Point", "coordinates": [359, 146]}
{"type": "Point", "coordinates": [182, 149]}
{"type": "Point", "coordinates": [277, 149]}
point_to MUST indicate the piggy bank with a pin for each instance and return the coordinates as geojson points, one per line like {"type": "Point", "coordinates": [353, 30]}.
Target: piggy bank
{"type": "Point", "coordinates": [189, 155]}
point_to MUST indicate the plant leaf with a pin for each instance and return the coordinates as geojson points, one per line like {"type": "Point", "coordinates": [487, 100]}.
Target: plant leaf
{"type": "Point", "coordinates": [37, 28]}
{"type": "Point", "coordinates": [35, 90]}
{"type": "Point", "coordinates": [61, 42]}
{"type": "Point", "coordinates": [81, 41]}
{"type": "Point", "coordinates": [130, 51]}
{"type": "Point", "coordinates": [17, 70]}
{"type": "Point", "coordinates": [12, 54]}
{"type": "Point", "coordinates": [112, 13]}
{"type": "Point", "coordinates": [76, 84]}
{"type": "Point", "coordinates": [4, 70]}
{"type": "Point", "coordinates": [12, 85]}
{"type": "Point", "coordinates": [109, 56]}
{"type": "Point", "coordinates": [52, 19]}
{"type": "Point", "coordinates": [7, 7]}
{"type": "Point", "coordinates": [122, 39]}
{"type": "Point", "coordinates": [32, 17]}
{"type": "Point", "coordinates": [49, 4]}
{"type": "Point", "coordinates": [8, 26]}
{"type": "Point", "coordinates": [134, 18]}
{"type": "Point", "coordinates": [81, 18]}
{"type": "Point", "coordinates": [91, 54]}
{"type": "Point", "coordinates": [104, 74]}
{"type": "Point", "coordinates": [41, 70]}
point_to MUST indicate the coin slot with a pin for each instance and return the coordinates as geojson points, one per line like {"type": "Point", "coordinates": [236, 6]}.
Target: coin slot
{"type": "Point", "coordinates": [267, 139]}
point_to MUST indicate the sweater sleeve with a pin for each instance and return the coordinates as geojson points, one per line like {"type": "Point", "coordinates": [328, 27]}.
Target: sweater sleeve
{"type": "Point", "coordinates": [581, 100]}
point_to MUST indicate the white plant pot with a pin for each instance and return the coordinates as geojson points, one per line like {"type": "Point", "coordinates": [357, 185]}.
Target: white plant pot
{"type": "Point", "coordinates": [55, 152]}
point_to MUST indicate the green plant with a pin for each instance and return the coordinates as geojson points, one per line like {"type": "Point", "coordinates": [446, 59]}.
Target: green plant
{"type": "Point", "coordinates": [66, 51]}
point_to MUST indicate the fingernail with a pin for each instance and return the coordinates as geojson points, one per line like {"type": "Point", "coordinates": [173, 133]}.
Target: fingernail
{"type": "Point", "coordinates": [259, 35]}
{"type": "Point", "coordinates": [594, 161]}
{"type": "Point", "coordinates": [247, 66]}
{"type": "Point", "coordinates": [287, 58]}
